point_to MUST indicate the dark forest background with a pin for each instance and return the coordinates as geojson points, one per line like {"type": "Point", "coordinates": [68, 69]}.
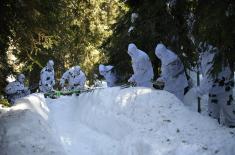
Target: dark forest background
{"type": "Point", "coordinates": [90, 32]}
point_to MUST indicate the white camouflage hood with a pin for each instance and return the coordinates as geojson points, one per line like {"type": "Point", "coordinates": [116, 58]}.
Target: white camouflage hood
{"type": "Point", "coordinates": [166, 56]}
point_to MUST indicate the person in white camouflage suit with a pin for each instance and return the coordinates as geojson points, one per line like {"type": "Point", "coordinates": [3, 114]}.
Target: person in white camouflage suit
{"type": "Point", "coordinates": [219, 87]}
{"type": "Point", "coordinates": [16, 89]}
{"type": "Point", "coordinates": [172, 71]}
{"type": "Point", "coordinates": [109, 75]}
{"type": "Point", "coordinates": [47, 78]}
{"type": "Point", "coordinates": [142, 67]}
{"type": "Point", "coordinates": [75, 77]}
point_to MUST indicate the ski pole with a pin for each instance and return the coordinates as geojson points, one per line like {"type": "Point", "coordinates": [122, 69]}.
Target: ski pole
{"type": "Point", "coordinates": [198, 99]}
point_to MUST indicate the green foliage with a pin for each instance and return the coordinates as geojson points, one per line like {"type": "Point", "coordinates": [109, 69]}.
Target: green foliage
{"type": "Point", "coordinates": [5, 103]}
{"type": "Point", "coordinates": [28, 30]}
{"type": "Point", "coordinates": [70, 32]}
{"type": "Point", "coordinates": [87, 33]}
{"type": "Point", "coordinates": [156, 23]}
{"type": "Point", "coordinates": [160, 21]}
{"type": "Point", "coordinates": [86, 25]}
{"type": "Point", "coordinates": [215, 24]}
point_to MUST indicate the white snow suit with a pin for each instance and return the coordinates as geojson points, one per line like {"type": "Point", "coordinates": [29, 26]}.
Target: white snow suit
{"type": "Point", "coordinates": [142, 67]}
{"type": "Point", "coordinates": [16, 89]}
{"type": "Point", "coordinates": [108, 74]}
{"type": "Point", "coordinates": [47, 78]}
{"type": "Point", "coordinates": [220, 87]}
{"type": "Point", "coordinates": [172, 71]}
{"type": "Point", "coordinates": [75, 77]}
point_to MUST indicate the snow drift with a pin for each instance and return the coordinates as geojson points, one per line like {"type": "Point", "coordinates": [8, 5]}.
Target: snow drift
{"type": "Point", "coordinates": [24, 129]}
{"type": "Point", "coordinates": [112, 121]}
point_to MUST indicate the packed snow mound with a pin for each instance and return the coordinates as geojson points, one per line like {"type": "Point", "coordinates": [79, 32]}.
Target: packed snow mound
{"type": "Point", "coordinates": [136, 121]}
{"type": "Point", "coordinates": [24, 129]}
{"type": "Point", "coordinates": [112, 121]}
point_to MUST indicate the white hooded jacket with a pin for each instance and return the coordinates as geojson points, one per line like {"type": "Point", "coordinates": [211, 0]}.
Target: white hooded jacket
{"type": "Point", "coordinates": [47, 78]}
{"type": "Point", "coordinates": [172, 71]}
{"type": "Point", "coordinates": [75, 77]}
{"type": "Point", "coordinates": [219, 86]}
{"type": "Point", "coordinates": [16, 89]}
{"type": "Point", "coordinates": [109, 76]}
{"type": "Point", "coordinates": [142, 66]}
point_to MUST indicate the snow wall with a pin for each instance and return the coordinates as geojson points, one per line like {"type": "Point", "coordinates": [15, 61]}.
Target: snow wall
{"type": "Point", "coordinates": [111, 121]}
{"type": "Point", "coordinates": [24, 129]}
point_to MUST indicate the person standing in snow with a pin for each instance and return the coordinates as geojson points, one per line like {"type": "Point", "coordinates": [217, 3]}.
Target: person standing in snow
{"type": "Point", "coordinates": [75, 77]}
{"type": "Point", "coordinates": [142, 67]}
{"type": "Point", "coordinates": [16, 89]}
{"type": "Point", "coordinates": [172, 71]}
{"type": "Point", "coordinates": [221, 105]}
{"type": "Point", "coordinates": [47, 80]}
{"type": "Point", "coordinates": [108, 74]}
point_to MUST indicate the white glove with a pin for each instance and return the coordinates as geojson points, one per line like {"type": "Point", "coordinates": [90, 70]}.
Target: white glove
{"type": "Point", "coordinates": [131, 79]}
{"type": "Point", "coordinates": [53, 83]}
{"type": "Point", "coordinates": [61, 84]}
{"type": "Point", "coordinates": [26, 89]}
{"type": "Point", "coordinates": [50, 87]}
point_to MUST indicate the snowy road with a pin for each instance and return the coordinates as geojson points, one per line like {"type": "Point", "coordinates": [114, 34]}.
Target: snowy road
{"type": "Point", "coordinates": [133, 121]}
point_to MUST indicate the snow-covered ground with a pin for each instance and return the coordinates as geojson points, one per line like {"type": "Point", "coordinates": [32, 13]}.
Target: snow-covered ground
{"type": "Point", "coordinates": [24, 129]}
{"type": "Point", "coordinates": [111, 121]}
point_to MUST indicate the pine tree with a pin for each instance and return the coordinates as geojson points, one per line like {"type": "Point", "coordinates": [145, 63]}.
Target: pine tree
{"type": "Point", "coordinates": [215, 25]}
{"type": "Point", "coordinates": [158, 21]}
{"type": "Point", "coordinates": [69, 32]}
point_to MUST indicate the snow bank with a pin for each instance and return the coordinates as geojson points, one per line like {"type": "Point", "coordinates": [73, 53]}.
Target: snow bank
{"type": "Point", "coordinates": [136, 121]}
{"type": "Point", "coordinates": [24, 129]}
{"type": "Point", "coordinates": [112, 121]}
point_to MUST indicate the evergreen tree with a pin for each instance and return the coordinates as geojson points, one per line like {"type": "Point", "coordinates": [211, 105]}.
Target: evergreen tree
{"type": "Point", "coordinates": [214, 24]}
{"type": "Point", "coordinates": [88, 33]}
{"type": "Point", "coordinates": [85, 26]}
{"type": "Point", "coordinates": [69, 32]}
{"type": "Point", "coordinates": [158, 21]}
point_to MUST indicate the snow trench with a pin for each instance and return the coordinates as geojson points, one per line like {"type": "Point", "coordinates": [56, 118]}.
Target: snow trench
{"type": "Point", "coordinates": [111, 121]}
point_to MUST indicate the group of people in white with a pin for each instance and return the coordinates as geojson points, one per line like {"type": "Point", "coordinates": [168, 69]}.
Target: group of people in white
{"type": "Point", "coordinates": [219, 88]}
